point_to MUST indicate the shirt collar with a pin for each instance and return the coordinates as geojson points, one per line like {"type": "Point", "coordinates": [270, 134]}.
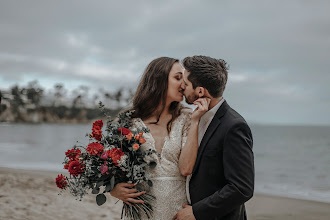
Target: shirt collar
{"type": "Point", "coordinates": [210, 113]}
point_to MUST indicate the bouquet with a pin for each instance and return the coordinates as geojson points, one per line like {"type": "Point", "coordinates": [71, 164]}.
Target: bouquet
{"type": "Point", "coordinates": [109, 159]}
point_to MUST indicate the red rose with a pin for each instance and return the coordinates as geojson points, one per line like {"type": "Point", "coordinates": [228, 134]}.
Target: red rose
{"type": "Point", "coordinates": [95, 149]}
{"type": "Point", "coordinates": [124, 131]}
{"type": "Point", "coordinates": [98, 124]}
{"type": "Point", "coordinates": [97, 130]}
{"type": "Point", "coordinates": [115, 154]}
{"type": "Point", "coordinates": [61, 181]}
{"type": "Point", "coordinates": [97, 133]}
{"type": "Point", "coordinates": [66, 166]}
{"type": "Point", "coordinates": [76, 168]}
{"type": "Point", "coordinates": [73, 154]}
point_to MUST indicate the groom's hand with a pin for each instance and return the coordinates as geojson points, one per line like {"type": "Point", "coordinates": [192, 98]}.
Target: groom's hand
{"type": "Point", "coordinates": [185, 214]}
{"type": "Point", "coordinates": [126, 192]}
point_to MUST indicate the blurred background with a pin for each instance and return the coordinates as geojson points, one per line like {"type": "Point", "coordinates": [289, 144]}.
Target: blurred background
{"type": "Point", "coordinates": [58, 59]}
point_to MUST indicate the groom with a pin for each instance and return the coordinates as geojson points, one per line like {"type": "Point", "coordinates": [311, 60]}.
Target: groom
{"type": "Point", "coordinates": [223, 176]}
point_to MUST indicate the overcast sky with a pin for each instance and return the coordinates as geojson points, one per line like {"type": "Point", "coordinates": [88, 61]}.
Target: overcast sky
{"type": "Point", "coordinates": [278, 51]}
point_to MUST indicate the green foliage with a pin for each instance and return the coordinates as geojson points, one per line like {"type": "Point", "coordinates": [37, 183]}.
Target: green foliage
{"type": "Point", "coordinates": [153, 164]}
{"type": "Point", "coordinates": [31, 98]}
{"type": "Point", "coordinates": [2, 107]}
{"type": "Point", "coordinates": [101, 199]}
{"type": "Point", "coordinates": [34, 92]}
{"type": "Point", "coordinates": [96, 190]}
{"type": "Point", "coordinates": [60, 111]}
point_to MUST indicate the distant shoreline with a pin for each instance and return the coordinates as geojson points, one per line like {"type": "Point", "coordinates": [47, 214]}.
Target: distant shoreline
{"type": "Point", "coordinates": [60, 114]}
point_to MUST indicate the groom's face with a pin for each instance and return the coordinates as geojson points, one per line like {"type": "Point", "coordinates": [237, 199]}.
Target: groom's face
{"type": "Point", "coordinates": [190, 93]}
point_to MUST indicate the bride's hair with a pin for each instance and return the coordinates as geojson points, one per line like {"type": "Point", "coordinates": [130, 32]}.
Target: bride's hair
{"type": "Point", "coordinates": [152, 90]}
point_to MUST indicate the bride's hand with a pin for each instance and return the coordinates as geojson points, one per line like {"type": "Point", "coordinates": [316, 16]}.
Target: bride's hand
{"type": "Point", "coordinates": [202, 107]}
{"type": "Point", "coordinates": [126, 192]}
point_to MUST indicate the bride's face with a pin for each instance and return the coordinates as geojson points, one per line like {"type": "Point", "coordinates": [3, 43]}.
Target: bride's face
{"type": "Point", "coordinates": [175, 91]}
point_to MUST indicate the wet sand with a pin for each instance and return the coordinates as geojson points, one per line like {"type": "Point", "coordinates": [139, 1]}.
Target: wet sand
{"type": "Point", "coordinates": [33, 195]}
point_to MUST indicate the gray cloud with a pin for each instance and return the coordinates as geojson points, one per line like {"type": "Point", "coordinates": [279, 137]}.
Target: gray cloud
{"type": "Point", "coordinates": [278, 50]}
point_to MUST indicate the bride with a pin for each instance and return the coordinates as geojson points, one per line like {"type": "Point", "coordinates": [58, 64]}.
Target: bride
{"type": "Point", "coordinates": [173, 134]}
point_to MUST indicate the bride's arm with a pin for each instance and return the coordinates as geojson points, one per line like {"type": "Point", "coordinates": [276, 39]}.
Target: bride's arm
{"type": "Point", "coordinates": [189, 151]}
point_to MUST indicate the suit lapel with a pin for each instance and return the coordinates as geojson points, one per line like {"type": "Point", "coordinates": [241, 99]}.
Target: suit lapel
{"type": "Point", "coordinates": [216, 121]}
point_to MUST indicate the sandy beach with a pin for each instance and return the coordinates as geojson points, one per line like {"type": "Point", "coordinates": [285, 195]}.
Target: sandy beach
{"type": "Point", "coordinates": [33, 195]}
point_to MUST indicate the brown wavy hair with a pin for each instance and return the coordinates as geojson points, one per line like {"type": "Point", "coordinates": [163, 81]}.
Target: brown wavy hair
{"type": "Point", "coordinates": [152, 91]}
{"type": "Point", "coordinates": [207, 72]}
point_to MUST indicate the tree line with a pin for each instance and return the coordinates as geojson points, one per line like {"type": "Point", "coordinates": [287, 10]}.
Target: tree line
{"type": "Point", "coordinates": [33, 103]}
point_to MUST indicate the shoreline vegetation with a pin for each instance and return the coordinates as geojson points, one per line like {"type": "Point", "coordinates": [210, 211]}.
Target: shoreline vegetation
{"type": "Point", "coordinates": [33, 104]}
{"type": "Point", "coordinates": [61, 114]}
{"type": "Point", "coordinates": [32, 194]}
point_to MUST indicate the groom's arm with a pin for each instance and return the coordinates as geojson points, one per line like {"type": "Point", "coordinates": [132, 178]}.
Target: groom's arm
{"type": "Point", "coordinates": [238, 168]}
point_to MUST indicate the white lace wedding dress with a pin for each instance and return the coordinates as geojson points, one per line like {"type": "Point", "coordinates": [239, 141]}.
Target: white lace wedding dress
{"type": "Point", "coordinates": [169, 186]}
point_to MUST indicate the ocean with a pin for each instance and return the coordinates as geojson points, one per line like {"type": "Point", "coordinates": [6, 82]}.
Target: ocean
{"type": "Point", "coordinates": [290, 161]}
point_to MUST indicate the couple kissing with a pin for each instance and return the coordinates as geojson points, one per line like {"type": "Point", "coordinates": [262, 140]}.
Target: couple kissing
{"type": "Point", "coordinates": [205, 166]}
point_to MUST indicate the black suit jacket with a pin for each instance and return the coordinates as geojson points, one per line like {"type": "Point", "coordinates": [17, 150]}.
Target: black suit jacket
{"type": "Point", "coordinates": [223, 175]}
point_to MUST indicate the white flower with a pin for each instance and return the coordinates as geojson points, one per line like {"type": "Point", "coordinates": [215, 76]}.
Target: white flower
{"type": "Point", "coordinates": [122, 163]}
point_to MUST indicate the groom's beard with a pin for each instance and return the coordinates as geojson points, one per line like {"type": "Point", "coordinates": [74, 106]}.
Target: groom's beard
{"type": "Point", "coordinates": [191, 98]}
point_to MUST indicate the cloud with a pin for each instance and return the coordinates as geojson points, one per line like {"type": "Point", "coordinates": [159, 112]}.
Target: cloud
{"type": "Point", "coordinates": [278, 51]}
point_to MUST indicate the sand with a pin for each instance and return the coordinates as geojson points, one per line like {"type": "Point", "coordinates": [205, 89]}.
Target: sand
{"type": "Point", "coordinates": [33, 195]}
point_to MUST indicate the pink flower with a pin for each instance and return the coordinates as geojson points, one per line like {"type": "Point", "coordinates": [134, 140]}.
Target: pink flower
{"type": "Point", "coordinates": [105, 155]}
{"type": "Point", "coordinates": [136, 146]}
{"type": "Point", "coordinates": [104, 168]}
{"type": "Point", "coordinates": [142, 140]}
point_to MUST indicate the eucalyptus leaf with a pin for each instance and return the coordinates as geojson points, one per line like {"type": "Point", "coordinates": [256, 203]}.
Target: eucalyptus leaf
{"type": "Point", "coordinates": [96, 190]}
{"type": "Point", "coordinates": [153, 164]}
{"type": "Point", "coordinates": [112, 182]}
{"type": "Point", "coordinates": [99, 184]}
{"type": "Point", "coordinates": [103, 177]}
{"type": "Point", "coordinates": [100, 199]}
{"type": "Point", "coordinates": [108, 188]}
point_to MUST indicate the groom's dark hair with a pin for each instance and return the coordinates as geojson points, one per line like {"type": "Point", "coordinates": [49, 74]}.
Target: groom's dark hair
{"type": "Point", "coordinates": [207, 72]}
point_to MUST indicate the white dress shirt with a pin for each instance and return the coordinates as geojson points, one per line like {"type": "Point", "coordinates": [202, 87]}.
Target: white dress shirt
{"type": "Point", "coordinates": [204, 123]}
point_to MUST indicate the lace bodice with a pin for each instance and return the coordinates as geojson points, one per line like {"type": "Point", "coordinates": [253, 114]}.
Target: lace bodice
{"type": "Point", "coordinates": [168, 183]}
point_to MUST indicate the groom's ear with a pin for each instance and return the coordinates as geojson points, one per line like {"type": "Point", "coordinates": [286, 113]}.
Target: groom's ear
{"type": "Point", "coordinates": [201, 91]}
